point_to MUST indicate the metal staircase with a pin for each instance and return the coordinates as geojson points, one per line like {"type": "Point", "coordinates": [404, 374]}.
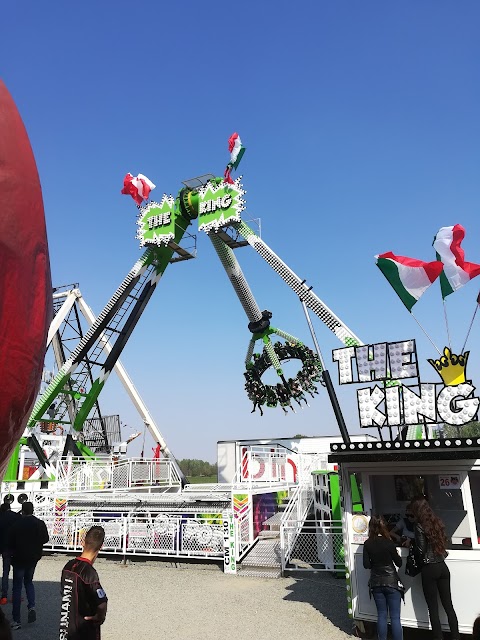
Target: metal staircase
{"type": "Point", "coordinates": [264, 560]}
{"type": "Point", "coordinates": [270, 554]}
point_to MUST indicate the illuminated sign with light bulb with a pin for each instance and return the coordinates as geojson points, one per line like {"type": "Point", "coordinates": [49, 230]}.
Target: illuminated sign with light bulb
{"type": "Point", "coordinates": [396, 404]}
{"type": "Point", "coordinates": [156, 222]}
{"type": "Point", "coordinates": [219, 203]}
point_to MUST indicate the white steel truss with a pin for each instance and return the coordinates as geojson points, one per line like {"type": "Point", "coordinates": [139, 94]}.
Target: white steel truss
{"type": "Point", "coordinates": [74, 297]}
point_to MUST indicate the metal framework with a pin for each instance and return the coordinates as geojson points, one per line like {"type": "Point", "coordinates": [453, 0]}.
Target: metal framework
{"type": "Point", "coordinates": [98, 432]}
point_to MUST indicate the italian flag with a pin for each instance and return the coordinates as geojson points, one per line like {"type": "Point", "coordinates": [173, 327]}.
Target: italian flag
{"type": "Point", "coordinates": [409, 277]}
{"type": "Point", "coordinates": [237, 150]}
{"type": "Point", "coordinates": [456, 272]}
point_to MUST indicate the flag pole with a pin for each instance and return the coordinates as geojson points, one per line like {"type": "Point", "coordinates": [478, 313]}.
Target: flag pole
{"type": "Point", "coordinates": [471, 323]}
{"type": "Point", "coordinates": [446, 324]}
{"type": "Point", "coordinates": [411, 313]}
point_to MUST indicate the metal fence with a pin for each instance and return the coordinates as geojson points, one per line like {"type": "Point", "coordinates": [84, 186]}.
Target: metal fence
{"type": "Point", "coordinates": [265, 466]}
{"type": "Point", "coordinates": [143, 534]}
{"type": "Point", "coordinates": [76, 474]}
{"type": "Point", "coordinates": [100, 434]}
{"type": "Point", "coordinates": [311, 546]}
{"type": "Point", "coordinates": [293, 519]}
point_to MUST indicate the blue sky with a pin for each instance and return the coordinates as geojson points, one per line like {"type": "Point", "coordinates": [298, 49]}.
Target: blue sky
{"type": "Point", "coordinates": [362, 132]}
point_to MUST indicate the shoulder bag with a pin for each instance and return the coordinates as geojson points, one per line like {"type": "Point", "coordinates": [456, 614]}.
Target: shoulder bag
{"type": "Point", "coordinates": [412, 565]}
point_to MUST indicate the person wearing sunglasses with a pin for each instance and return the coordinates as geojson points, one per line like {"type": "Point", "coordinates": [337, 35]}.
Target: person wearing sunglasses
{"type": "Point", "coordinates": [404, 531]}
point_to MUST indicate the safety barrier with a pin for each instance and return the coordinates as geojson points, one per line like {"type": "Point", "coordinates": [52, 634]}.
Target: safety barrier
{"type": "Point", "coordinates": [142, 534]}
{"type": "Point", "coordinates": [301, 501]}
{"type": "Point", "coordinates": [314, 546]}
{"type": "Point", "coordinates": [244, 533]}
{"type": "Point", "coordinates": [265, 466]}
{"type": "Point", "coordinates": [293, 519]}
{"type": "Point", "coordinates": [78, 475]}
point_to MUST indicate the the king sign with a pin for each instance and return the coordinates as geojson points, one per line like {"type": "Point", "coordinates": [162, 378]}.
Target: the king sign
{"type": "Point", "coordinates": [219, 204]}
{"type": "Point", "coordinates": [396, 404]}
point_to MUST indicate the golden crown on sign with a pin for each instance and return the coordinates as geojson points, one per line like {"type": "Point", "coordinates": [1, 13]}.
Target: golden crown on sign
{"type": "Point", "coordinates": [451, 367]}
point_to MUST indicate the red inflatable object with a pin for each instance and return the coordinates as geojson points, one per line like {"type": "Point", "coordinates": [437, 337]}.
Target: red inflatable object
{"type": "Point", "coordinates": [25, 281]}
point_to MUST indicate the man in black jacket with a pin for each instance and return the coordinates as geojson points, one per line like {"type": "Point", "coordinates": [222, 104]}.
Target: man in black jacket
{"type": "Point", "coordinates": [27, 537]}
{"type": "Point", "coordinates": [7, 520]}
{"type": "Point", "coordinates": [84, 602]}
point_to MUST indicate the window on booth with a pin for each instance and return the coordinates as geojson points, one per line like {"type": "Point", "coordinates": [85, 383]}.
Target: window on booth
{"type": "Point", "coordinates": [391, 495]}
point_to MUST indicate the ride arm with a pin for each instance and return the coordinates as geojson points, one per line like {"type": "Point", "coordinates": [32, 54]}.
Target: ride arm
{"type": "Point", "coordinates": [250, 350]}
{"type": "Point", "coordinates": [238, 280]}
{"type": "Point", "coordinates": [132, 392]}
{"type": "Point", "coordinates": [298, 286]}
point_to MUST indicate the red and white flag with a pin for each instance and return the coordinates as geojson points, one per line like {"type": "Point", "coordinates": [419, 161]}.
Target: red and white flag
{"type": "Point", "coordinates": [138, 187]}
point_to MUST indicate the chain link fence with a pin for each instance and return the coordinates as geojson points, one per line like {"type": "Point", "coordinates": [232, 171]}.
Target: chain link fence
{"type": "Point", "coordinates": [314, 546]}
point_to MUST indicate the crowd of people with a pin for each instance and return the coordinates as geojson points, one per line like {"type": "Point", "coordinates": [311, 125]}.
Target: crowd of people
{"type": "Point", "coordinates": [83, 600]}
{"type": "Point", "coordinates": [423, 533]}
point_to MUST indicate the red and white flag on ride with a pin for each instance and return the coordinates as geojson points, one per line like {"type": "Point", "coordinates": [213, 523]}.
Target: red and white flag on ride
{"type": "Point", "coordinates": [237, 150]}
{"type": "Point", "coordinates": [138, 187]}
{"type": "Point", "coordinates": [409, 277]}
{"type": "Point", "coordinates": [456, 272]}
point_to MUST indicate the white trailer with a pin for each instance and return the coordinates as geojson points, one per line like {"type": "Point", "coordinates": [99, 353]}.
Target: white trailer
{"type": "Point", "coordinates": [230, 453]}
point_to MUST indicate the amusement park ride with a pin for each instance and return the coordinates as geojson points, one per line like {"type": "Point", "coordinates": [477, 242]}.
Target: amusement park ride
{"type": "Point", "coordinates": [81, 473]}
{"type": "Point", "coordinates": [69, 403]}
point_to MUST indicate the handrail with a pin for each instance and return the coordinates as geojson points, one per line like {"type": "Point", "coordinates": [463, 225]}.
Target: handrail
{"type": "Point", "coordinates": [74, 474]}
{"type": "Point", "coordinates": [300, 503]}
{"type": "Point", "coordinates": [294, 516]}
{"type": "Point", "coordinates": [272, 469]}
{"type": "Point", "coordinates": [140, 533]}
{"type": "Point", "coordinates": [243, 533]}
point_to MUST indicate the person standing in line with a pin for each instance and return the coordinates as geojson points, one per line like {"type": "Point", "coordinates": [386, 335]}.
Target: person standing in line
{"type": "Point", "coordinates": [431, 550]}
{"type": "Point", "coordinates": [84, 602]}
{"type": "Point", "coordinates": [476, 629]}
{"type": "Point", "coordinates": [380, 555]}
{"type": "Point", "coordinates": [26, 539]}
{"type": "Point", "coordinates": [7, 520]}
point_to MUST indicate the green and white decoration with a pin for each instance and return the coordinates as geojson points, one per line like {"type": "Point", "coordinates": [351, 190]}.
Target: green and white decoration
{"type": "Point", "coordinates": [219, 203]}
{"type": "Point", "coordinates": [156, 222]}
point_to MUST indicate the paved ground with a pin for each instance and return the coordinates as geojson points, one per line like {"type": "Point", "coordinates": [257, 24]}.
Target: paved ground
{"type": "Point", "coordinates": [158, 600]}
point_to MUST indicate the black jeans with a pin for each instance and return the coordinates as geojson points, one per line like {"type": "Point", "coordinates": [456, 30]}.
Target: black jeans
{"type": "Point", "coordinates": [436, 580]}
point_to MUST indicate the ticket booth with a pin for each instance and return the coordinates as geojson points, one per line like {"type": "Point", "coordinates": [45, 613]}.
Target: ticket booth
{"type": "Point", "coordinates": [447, 473]}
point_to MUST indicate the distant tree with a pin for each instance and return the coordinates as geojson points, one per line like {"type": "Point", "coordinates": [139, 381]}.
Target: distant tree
{"type": "Point", "coordinates": [194, 468]}
{"type": "Point", "coordinates": [469, 430]}
{"type": "Point", "coordinates": [300, 435]}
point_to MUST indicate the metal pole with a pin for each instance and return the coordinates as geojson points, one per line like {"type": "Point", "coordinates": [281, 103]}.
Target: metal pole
{"type": "Point", "coordinates": [336, 406]}
{"type": "Point", "coordinates": [328, 382]}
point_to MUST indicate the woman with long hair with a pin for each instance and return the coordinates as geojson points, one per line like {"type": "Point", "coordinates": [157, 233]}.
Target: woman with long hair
{"type": "Point", "coordinates": [476, 629]}
{"type": "Point", "coordinates": [380, 555]}
{"type": "Point", "coordinates": [431, 550]}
